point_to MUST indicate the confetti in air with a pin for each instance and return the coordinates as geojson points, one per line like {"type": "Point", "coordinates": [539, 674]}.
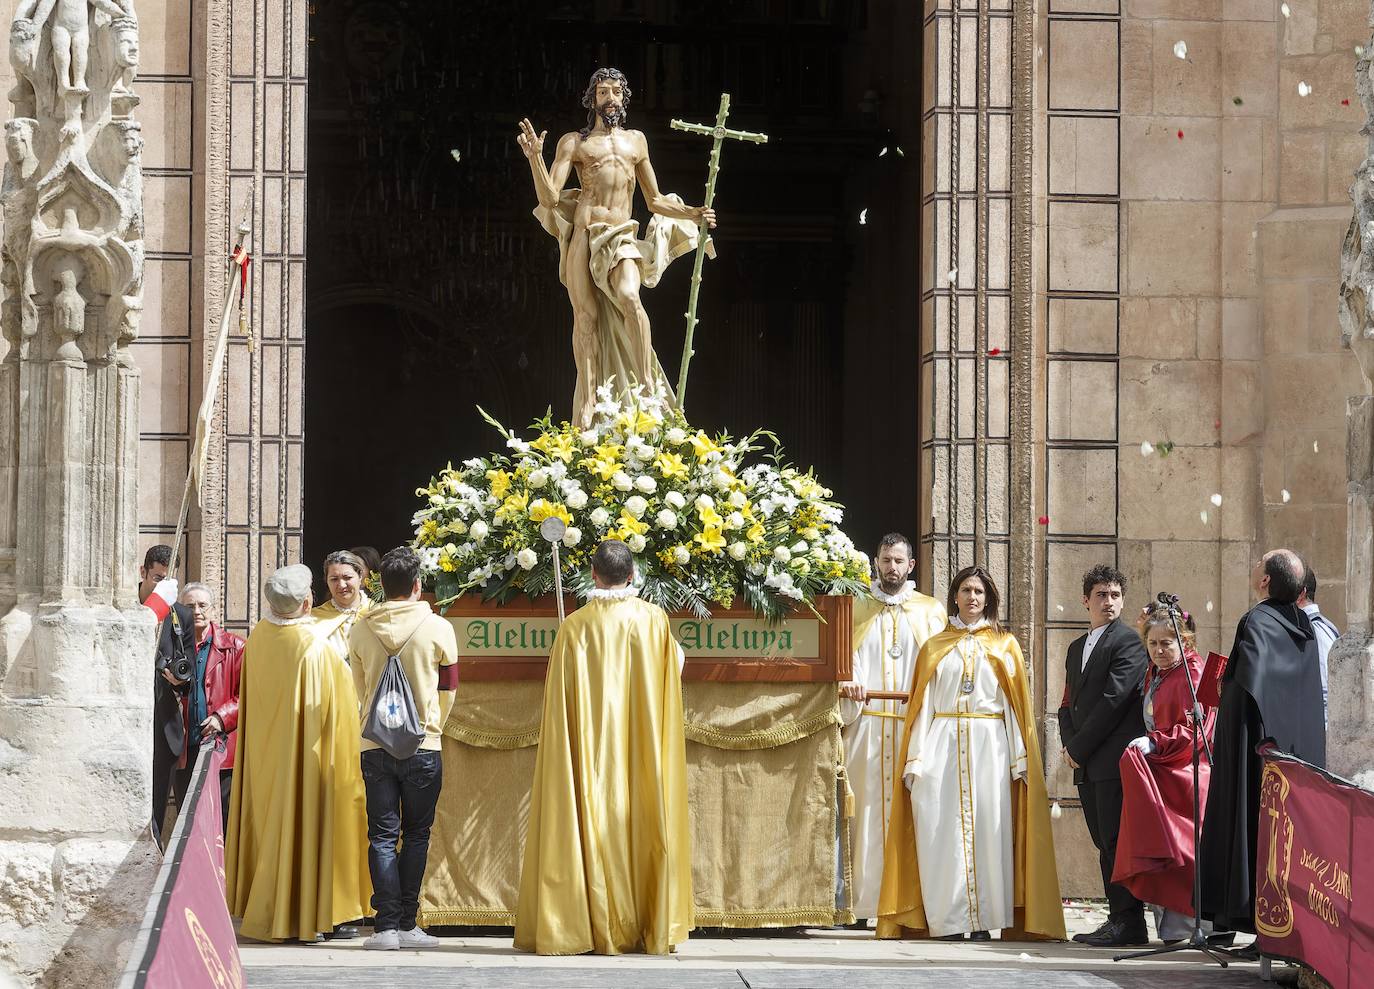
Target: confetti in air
{"type": "Point", "coordinates": [1180, 133]}
{"type": "Point", "coordinates": [863, 217]}
{"type": "Point", "coordinates": [1285, 496]}
{"type": "Point", "coordinates": [1209, 606]}
{"type": "Point", "coordinates": [900, 152]}
{"type": "Point", "coordinates": [882, 152]}
{"type": "Point", "coordinates": [1043, 520]}
{"type": "Point", "coordinates": [1304, 89]}
{"type": "Point", "coordinates": [1056, 812]}
{"type": "Point", "coordinates": [1283, 9]}
{"type": "Point", "coordinates": [953, 275]}
{"type": "Point", "coordinates": [1345, 102]}
{"type": "Point", "coordinates": [457, 155]}
{"type": "Point", "coordinates": [1237, 100]}
{"type": "Point", "coordinates": [1203, 515]}
{"type": "Point", "coordinates": [1146, 448]}
{"type": "Point", "coordinates": [1060, 607]}
{"type": "Point", "coordinates": [1315, 448]}
{"type": "Point", "coordinates": [994, 351]}
{"type": "Point", "coordinates": [1180, 49]}
{"type": "Point", "coordinates": [1216, 500]}
{"type": "Point", "coordinates": [1359, 51]}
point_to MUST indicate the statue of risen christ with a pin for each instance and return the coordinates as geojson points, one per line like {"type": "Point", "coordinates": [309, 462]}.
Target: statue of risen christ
{"type": "Point", "coordinates": [602, 263]}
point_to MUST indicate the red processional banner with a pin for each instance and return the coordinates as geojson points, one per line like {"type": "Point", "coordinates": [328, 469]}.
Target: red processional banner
{"type": "Point", "coordinates": [1313, 870]}
{"type": "Point", "coordinates": [191, 941]}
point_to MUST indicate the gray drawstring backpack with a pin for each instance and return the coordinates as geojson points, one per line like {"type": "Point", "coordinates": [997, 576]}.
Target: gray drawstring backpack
{"type": "Point", "coordinates": [393, 721]}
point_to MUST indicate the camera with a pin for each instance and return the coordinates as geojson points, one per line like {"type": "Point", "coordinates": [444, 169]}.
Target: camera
{"type": "Point", "coordinates": [180, 667]}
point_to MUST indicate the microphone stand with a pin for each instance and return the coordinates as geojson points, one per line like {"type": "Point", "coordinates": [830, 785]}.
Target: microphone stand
{"type": "Point", "coordinates": [1196, 941]}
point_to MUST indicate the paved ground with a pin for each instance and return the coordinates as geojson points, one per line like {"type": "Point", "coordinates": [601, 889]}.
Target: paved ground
{"type": "Point", "coordinates": [741, 960]}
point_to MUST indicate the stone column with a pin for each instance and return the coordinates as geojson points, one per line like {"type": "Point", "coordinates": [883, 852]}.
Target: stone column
{"type": "Point", "coordinates": [76, 861]}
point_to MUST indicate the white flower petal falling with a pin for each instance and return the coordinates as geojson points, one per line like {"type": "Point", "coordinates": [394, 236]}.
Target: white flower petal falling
{"type": "Point", "coordinates": [1180, 49]}
{"type": "Point", "coordinates": [1209, 606]}
{"type": "Point", "coordinates": [1284, 10]}
{"type": "Point", "coordinates": [1216, 500]}
{"type": "Point", "coordinates": [1304, 89]}
{"type": "Point", "coordinates": [1285, 496]}
{"type": "Point", "coordinates": [1146, 448]}
{"type": "Point", "coordinates": [863, 216]}
{"type": "Point", "coordinates": [1203, 515]}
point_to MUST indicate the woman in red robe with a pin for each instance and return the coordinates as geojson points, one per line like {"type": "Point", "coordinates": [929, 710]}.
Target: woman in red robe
{"type": "Point", "coordinates": [1154, 854]}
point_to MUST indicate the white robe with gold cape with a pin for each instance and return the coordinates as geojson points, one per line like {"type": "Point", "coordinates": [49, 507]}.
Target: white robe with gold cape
{"type": "Point", "coordinates": [873, 729]}
{"type": "Point", "coordinates": [608, 863]}
{"type": "Point", "coordinates": [665, 240]}
{"type": "Point", "coordinates": [295, 855]}
{"type": "Point", "coordinates": [970, 848]}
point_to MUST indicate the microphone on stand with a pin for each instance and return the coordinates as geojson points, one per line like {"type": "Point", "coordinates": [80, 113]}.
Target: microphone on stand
{"type": "Point", "coordinates": [1167, 599]}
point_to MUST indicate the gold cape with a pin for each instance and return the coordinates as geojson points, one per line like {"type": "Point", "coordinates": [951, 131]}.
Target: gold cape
{"type": "Point", "coordinates": [608, 865]}
{"type": "Point", "coordinates": [295, 855]}
{"type": "Point", "coordinates": [334, 624]}
{"type": "Point", "coordinates": [924, 615]}
{"type": "Point", "coordinates": [1039, 912]}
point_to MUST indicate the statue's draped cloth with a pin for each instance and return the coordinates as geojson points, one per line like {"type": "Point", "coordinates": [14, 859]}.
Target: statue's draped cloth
{"type": "Point", "coordinates": [607, 864]}
{"type": "Point", "coordinates": [296, 848]}
{"type": "Point", "coordinates": [665, 240]}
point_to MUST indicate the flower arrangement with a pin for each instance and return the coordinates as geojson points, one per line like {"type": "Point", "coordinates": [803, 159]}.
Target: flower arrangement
{"type": "Point", "coordinates": [705, 525]}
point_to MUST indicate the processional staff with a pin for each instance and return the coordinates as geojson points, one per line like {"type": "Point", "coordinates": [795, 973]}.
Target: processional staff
{"type": "Point", "coordinates": [239, 261]}
{"type": "Point", "coordinates": [720, 132]}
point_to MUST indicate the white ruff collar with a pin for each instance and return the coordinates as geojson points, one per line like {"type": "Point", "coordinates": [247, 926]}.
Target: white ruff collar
{"type": "Point", "coordinates": [901, 597]}
{"type": "Point", "coordinates": [612, 593]}
{"type": "Point", "coordinates": [958, 622]}
{"type": "Point", "coordinates": [347, 611]}
{"type": "Point", "coordinates": [277, 619]}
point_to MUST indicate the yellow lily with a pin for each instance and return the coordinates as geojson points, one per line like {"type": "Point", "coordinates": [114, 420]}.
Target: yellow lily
{"type": "Point", "coordinates": [500, 483]}
{"type": "Point", "coordinates": [670, 465]}
{"type": "Point", "coordinates": [630, 524]}
{"type": "Point", "coordinates": [711, 540]}
{"type": "Point", "coordinates": [514, 506]}
{"type": "Point", "coordinates": [703, 445]}
{"type": "Point", "coordinates": [710, 518]}
{"type": "Point", "coordinates": [604, 469]}
{"type": "Point", "coordinates": [544, 509]}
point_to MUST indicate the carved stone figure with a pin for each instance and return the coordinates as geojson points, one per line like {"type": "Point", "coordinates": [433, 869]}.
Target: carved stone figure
{"type": "Point", "coordinates": [23, 56]}
{"type": "Point", "coordinates": [68, 315]}
{"type": "Point", "coordinates": [125, 29]}
{"type": "Point", "coordinates": [17, 196]}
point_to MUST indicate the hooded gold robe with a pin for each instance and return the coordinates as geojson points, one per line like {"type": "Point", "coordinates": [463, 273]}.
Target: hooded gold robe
{"type": "Point", "coordinates": [295, 855]}
{"type": "Point", "coordinates": [334, 624]}
{"type": "Point", "coordinates": [1037, 908]}
{"type": "Point", "coordinates": [608, 864]}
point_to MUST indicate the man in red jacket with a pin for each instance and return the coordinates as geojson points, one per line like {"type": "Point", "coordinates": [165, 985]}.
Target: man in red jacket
{"type": "Point", "coordinates": [210, 705]}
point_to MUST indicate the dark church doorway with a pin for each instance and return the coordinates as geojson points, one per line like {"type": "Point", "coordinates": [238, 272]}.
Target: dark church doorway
{"type": "Point", "coordinates": [431, 289]}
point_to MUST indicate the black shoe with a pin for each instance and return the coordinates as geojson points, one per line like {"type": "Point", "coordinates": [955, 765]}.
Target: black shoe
{"type": "Point", "coordinates": [1249, 953]}
{"type": "Point", "coordinates": [1224, 940]}
{"type": "Point", "coordinates": [949, 937]}
{"type": "Point", "coordinates": [980, 936]}
{"type": "Point", "coordinates": [1118, 934]}
{"type": "Point", "coordinates": [342, 932]}
{"type": "Point", "coordinates": [1083, 938]}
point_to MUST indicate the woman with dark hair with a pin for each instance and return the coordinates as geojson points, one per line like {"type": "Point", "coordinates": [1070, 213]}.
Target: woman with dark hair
{"type": "Point", "coordinates": [969, 850]}
{"type": "Point", "coordinates": [1154, 853]}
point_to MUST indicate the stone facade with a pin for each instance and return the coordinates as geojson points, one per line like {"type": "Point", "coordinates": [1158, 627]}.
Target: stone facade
{"type": "Point", "coordinates": [75, 686]}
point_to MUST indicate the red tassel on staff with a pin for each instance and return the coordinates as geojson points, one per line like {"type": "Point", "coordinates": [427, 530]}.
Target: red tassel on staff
{"type": "Point", "coordinates": [243, 259]}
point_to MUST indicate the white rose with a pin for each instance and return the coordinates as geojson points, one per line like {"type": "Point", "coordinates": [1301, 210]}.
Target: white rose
{"type": "Point", "coordinates": [737, 499]}
{"type": "Point", "coordinates": [722, 480]}
{"type": "Point", "coordinates": [666, 519]}
{"type": "Point", "coordinates": [600, 517]}
{"type": "Point", "coordinates": [680, 555]}
{"type": "Point", "coordinates": [782, 554]}
{"type": "Point", "coordinates": [734, 521]}
{"type": "Point", "coordinates": [576, 499]}
{"type": "Point", "coordinates": [800, 547]}
{"type": "Point", "coordinates": [755, 569]}
{"type": "Point", "coordinates": [479, 530]}
{"type": "Point", "coordinates": [675, 436]}
{"type": "Point", "coordinates": [588, 437]}
{"type": "Point", "coordinates": [518, 445]}
{"type": "Point", "coordinates": [646, 484]}
{"type": "Point", "coordinates": [621, 481]}
{"type": "Point", "coordinates": [539, 477]}
{"type": "Point", "coordinates": [636, 543]}
{"type": "Point", "coordinates": [704, 501]}
{"type": "Point", "coordinates": [572, 535]}
{"type": "Point", "coordinates": [675, 499]}
{"type": "Point", "coordinates": [812, 534]}
{"type": "Point", "coordinates": [636, 505]}
{"type": "Point", "coordinates": [737, 551]}
{"type": "Point", "coordinates": [527, 558]}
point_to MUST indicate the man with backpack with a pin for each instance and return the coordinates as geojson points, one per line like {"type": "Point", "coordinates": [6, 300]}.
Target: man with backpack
{"type": "Point", "coordinates": [404, 659]}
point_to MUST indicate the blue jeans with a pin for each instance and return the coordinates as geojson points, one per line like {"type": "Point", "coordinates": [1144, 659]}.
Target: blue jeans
{"type": "Point", "coordinates": [401, 796]}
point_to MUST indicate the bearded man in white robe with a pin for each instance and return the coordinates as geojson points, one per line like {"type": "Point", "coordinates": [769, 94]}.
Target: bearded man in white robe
{"type": "Point", "coordinates": [889, 631]}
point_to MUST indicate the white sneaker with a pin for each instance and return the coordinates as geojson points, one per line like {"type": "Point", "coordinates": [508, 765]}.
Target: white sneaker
{"type": "Point", "coordinates": [383, 941]}
{"type": "Point", "coordinates": [416, 938]}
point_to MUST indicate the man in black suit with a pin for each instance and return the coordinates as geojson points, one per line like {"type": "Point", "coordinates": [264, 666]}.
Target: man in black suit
{"type": "Point", "coordinates": [1099, 716]}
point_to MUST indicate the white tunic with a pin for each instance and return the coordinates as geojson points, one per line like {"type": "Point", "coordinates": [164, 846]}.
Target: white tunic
{"type": "Point", "coordinates": [872, 737]}
{"type": "Point", "coordinates": [965, 750]}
